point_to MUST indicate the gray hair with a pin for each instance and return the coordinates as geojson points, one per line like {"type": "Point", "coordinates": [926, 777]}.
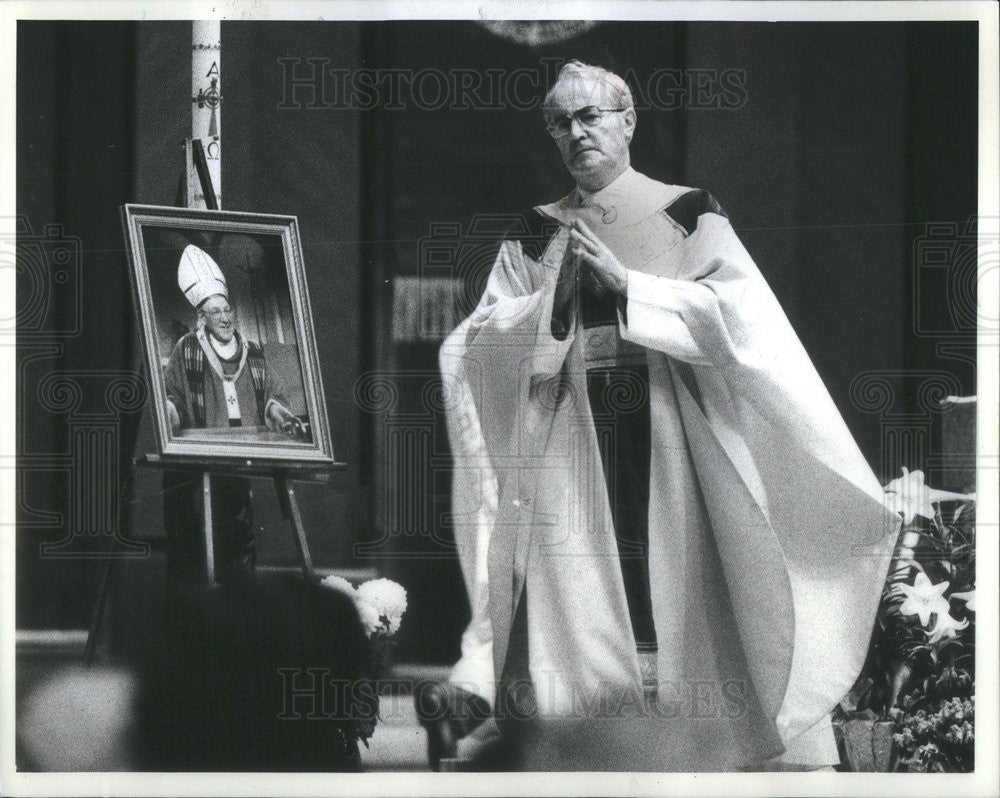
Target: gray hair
{"type": "Point", "coordinates": [620, 94]}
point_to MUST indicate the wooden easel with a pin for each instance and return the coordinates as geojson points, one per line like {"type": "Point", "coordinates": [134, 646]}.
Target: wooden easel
{"type": "Point", "coordinates": [282, 477]}
{"type": "Point", "coordinates": [286, 499]}
{"type": "Point", "coordinates": [197, 175]}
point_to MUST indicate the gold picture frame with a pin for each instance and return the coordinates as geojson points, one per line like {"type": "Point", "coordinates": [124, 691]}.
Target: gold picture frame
{"type": "Point", "coordinates": [260, 256]}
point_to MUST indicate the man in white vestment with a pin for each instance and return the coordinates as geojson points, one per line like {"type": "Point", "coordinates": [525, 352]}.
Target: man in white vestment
{"type": "Point", "coordinates": [762, 535]}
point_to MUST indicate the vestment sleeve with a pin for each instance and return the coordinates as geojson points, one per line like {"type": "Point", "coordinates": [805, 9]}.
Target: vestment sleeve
{"type": "Point", "coordinates": [717, 310]}
{"type": "Point", "coordinates": [176, 384]}
{"type": "Point", "coordinates": [506, 353]}
{"type": "Point", "coordinates": [275, 388]}
{"type": "Point", "coordinates": [653, 316]}
{"type": "Point", "coordinates": [510, 330]}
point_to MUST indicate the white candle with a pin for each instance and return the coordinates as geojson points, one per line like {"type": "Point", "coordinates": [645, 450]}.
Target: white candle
{"type": "Point", "coordinates": [206, 100]}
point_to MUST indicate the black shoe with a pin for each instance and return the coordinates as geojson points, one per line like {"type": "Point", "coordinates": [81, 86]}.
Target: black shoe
{"type": "Point", "coordinates": [448, 713]}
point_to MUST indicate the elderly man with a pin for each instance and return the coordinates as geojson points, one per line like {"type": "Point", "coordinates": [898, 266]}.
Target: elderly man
{"type": "Point", "coordinates": [215, 378]}
{"type": "Point", "coordinates": [630, 385]}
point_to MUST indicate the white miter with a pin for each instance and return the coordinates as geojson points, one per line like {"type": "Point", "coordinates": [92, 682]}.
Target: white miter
{"type": "Point", "coordinates": [199, 276]}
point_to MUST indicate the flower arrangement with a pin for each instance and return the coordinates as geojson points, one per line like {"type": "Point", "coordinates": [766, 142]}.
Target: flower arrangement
{"type": "Point", "coordinates": [920, 671]}
{"type": "Point", "coordinates": [381, 604]}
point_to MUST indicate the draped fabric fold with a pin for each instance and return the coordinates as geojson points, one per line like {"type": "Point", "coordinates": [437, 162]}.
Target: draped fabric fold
{"type": "Point", "coordinates": [768, 541]}
{"type": "Point", "coordinates": [793, 451]}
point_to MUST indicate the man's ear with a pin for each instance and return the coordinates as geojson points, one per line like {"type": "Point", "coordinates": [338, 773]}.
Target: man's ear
{"type": "Point", "coordinates": [629, 119]}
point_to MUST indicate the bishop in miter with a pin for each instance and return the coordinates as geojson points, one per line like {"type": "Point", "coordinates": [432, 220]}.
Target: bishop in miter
{"type": "Point", "coordinates": [215, 377]}
{"type": "Point", "coordinates": [629, 382]}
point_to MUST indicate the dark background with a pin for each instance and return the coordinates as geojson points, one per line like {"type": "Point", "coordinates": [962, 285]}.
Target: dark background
{"type": "Point", "coordinates": [852, 150]}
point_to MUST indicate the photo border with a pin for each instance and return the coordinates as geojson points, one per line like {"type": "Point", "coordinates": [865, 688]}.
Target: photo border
{"type": "Point", "coordinates": [983, 781]}
{"type": "Point", "coordinates": [237, 453]}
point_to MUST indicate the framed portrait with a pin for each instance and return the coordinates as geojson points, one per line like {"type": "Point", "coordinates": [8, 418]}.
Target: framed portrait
{"type": "Point", "coordinates": [223, 312]}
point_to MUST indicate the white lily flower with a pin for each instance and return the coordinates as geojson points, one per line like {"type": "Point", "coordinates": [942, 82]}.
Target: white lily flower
{"type": "Point", "coordinates": [923, 598]}
{"type": "Point", "coordinates": [969, 597]}
{"type": "Point", "coordinates": [910, 539]}
{"type": "Point", "coordinates": [946, 626]}
{"type": "Point", "coordinates": [909, 496]}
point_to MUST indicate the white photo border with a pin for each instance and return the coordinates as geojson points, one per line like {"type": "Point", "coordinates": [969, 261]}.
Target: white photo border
{"type": "Point", "coordinates": [985, 781]}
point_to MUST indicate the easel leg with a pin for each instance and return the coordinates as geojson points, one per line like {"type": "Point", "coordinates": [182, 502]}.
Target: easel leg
{"type": "Point", "coordinates": [290, 510]}
{"type": "Point", "coordinates": [206, 487]}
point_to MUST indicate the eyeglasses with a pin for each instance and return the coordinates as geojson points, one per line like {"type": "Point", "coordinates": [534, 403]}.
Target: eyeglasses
{"type": "Point", "coordinates": [218, 313]}
{"type": "Point", "coordinates": [590, 116]}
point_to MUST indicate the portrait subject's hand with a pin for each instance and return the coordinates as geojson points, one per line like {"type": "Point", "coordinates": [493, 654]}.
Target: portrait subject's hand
{"type": "Point", "coordinates": [281, 418]}
{"type": "Point", "coordinates": [173, 417]}
{"type": "Point", "coordinates": [604, 272]}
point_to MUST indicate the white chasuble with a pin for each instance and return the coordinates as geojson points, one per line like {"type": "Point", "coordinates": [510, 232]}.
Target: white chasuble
{"type": "Point", "coordinates": [768, 541]}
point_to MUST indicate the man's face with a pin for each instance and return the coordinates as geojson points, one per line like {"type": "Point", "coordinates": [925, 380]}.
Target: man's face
{"type": "Point", "coordinates": [593, 155]}
{"type": "Point", "coordinates": [219, 318]}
